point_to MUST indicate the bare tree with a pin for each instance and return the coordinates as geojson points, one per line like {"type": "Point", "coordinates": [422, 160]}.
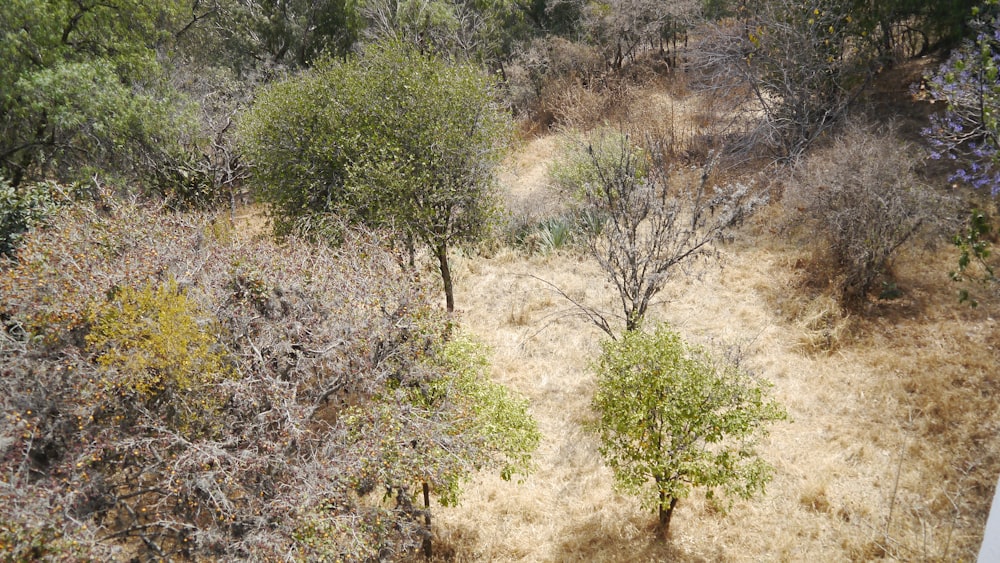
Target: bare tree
{"type": "Point", "coordinates": [655, 216]}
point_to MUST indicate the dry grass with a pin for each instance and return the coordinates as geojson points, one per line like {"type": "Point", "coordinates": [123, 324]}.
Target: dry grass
{"type": "Point", "coordinates": [893, 447]}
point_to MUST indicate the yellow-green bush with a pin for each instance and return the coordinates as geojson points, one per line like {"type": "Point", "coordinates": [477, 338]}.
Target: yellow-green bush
{"type": "Point", "coordinates": [156, 345]}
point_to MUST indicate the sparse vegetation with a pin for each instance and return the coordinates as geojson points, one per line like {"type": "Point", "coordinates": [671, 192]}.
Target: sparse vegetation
{"type": "Point", "coordinates": [863, 194]}
{"type": "Point", "coordinates": [654, 217]}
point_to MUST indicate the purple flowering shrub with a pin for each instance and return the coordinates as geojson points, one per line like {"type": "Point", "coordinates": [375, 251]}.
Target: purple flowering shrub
{"type": "Point", "coordinates": [968, 131]}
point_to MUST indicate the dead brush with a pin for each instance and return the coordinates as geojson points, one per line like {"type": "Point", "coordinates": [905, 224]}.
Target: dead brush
{"type": "Point", "coordinates": [823, 324]}
{"type": "Point", "coordinates": [863, 197]}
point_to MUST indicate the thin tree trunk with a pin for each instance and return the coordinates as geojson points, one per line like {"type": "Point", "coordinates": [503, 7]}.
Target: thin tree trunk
{"type": "Point", "coordinates": [449, 291]}
{"type": "Point", "coordinates": [428, 548]}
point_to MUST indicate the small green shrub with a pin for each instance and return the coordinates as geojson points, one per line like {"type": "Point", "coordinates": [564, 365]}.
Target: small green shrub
{"type": "Point", "coordinates": [673, 417]}
{"type": "Point", "coordinates": [21, 209]}
{"type": "Point", "coordinates": [583, 161]}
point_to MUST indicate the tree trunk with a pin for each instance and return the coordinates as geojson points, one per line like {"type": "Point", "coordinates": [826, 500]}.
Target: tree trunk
{"type": "Point", "coordinates": [449, 290]}
{"type": "Point", "coordinates": [633, 321]}
{"type": "Point", "coordinates": [428, 548]}
{"type": "Point", "coordinates": [666, 511]}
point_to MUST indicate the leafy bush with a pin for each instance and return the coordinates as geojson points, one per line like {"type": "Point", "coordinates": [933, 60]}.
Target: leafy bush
{"type": "Point", "coordinates": [157, 350]}
{"type": "Point", "coordinates": [976, 262]}
{"type": "Point", "coordinates": [85, 90]}
{"type": "Point", "coordinates": [170, 390]}
{"type": "Point", "coordinates": [864, 196]}
{"type": "Point", "coordinates": [20, 209]}
{"type": "Point", "coordinates": [579, 165]}
{"type": "Point", "coordinates": [672, 417]}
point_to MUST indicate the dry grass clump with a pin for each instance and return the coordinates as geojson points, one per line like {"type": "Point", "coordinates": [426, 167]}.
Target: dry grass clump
{"type": "Point", "coordinates": [823, 324]}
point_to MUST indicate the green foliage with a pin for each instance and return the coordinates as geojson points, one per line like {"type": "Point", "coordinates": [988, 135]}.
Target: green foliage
{"type": "Point", "coordinates": [974, 254]}
{"type": "Point", "coordinates": [451, 397]}
{"type": "Point", "coordinates": [554, 234]}
{"type": "Point", "coordinates": [579, 165]}
{"type": "Point", "coordinates": [489, 411]}
{"type": "Point", "coordinates": [469, 30]}
{"type": "Point", "coordinates": [672, 418]}
{"type": "Point", "coordinates": [81, 89]}
{"type": "Point", "coordinates": [567, 230]}
{"type": "Point", "coordinates": [291, 33]}
{"type": "Point", "coordinates": [20, 210]}
{"type": "Point", "coordinates": [393, 138]}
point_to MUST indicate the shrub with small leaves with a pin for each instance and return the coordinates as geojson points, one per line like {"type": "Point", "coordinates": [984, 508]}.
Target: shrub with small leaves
{"type": "Point", "coordinates": [157, 349]}
{"type": "Point", "coordinates": [673, 417]}
{"type": "Point", "coordinates": [20, 209]}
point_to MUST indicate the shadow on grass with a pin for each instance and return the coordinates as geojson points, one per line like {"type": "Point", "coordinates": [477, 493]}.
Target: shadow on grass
{"type": "Point", "coordinates": [590, 540]}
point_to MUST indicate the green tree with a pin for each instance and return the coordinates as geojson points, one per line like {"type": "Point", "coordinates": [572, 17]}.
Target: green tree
{"type": "Point", "coordinates": [393, 138]}
{"type": "Point", "coordinates": [470, 30]}
{"type": "Point", "coordinates": [249, 35]}
{"type": "Point", "coordinates": [82, 89]}
{"type": "Point", "coordinates": [672, 417]}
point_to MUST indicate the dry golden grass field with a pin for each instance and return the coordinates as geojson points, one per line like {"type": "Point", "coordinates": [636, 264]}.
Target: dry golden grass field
{"type": "Point", "coordinates": [891, 450]}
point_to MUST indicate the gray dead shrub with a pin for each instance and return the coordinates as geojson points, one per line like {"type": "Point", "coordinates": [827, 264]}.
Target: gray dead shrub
{"type": "Point", "coordinates": [863, 198]}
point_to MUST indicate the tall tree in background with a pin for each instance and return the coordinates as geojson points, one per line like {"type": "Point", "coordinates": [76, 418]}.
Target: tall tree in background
{"type": "Point", "coordinates": [794, 68]}
{"type": "Point", "coordinates": [464, 30]}
{"type": "Point", "coordinates": [250, 35]}
{"type": "Point", "coordinates": [621, 28]}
